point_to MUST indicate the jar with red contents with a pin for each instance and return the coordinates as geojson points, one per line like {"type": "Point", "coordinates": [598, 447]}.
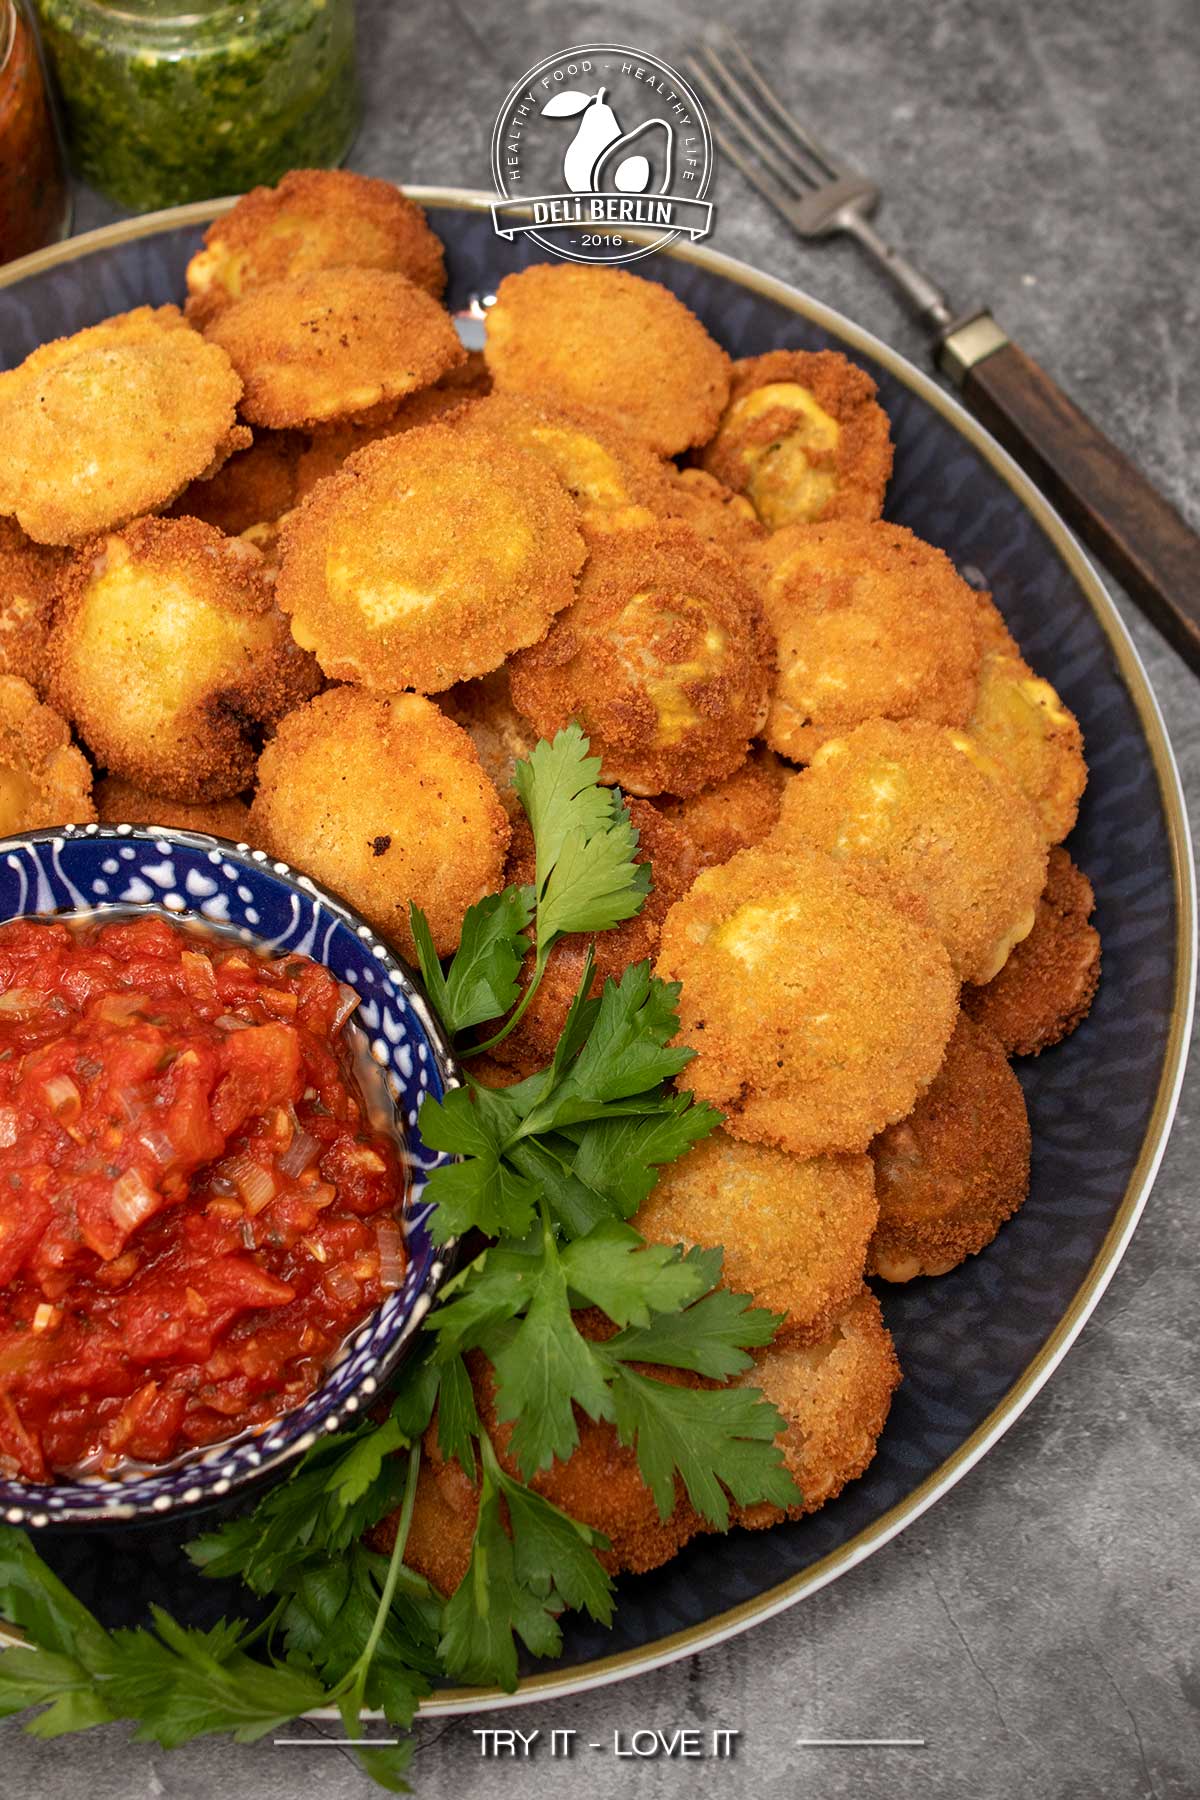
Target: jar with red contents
{"type": "Point", "coordinates": [35, 198]}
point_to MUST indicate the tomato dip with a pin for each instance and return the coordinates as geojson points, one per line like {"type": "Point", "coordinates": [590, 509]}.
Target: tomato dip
{"type": "Point", "coordinates": [195, 1208]}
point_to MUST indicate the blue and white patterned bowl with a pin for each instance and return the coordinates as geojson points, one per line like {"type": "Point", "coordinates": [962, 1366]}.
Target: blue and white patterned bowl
{"type": "Point", "coordinates": [43, 873]}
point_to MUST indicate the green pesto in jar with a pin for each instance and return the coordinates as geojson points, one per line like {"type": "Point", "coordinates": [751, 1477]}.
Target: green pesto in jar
{"type": "Point", "coordinates": [165, 105]}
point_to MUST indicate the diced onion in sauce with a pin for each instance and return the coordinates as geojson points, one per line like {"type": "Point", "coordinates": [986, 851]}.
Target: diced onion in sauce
{"type": "Point", "coordinates": [391, 1255]}
{"type": "Point", "coordinates": [132, 1200]}
{"type": "Point", "coordinates": [347, 1002]}
{"type": "Point", "coordinates": [299, 1154]}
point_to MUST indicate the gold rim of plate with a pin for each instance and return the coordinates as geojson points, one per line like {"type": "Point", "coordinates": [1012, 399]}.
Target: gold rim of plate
{"type": "Point", "coordinates": [556, 1683]}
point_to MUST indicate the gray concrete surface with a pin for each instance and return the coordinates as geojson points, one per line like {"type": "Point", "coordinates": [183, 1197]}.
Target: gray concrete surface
{"type": "Point", "coordinates": [1038, 1627]}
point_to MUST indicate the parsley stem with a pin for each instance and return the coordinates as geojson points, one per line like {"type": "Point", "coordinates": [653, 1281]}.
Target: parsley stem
{"type": "Point", "coordinates": [354, 1681]}
{"type": "Point", "coordinates": [514, 1017]}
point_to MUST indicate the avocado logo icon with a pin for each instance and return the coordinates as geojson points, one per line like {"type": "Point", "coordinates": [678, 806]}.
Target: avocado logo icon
{"type": "Point", "coordinates": [599, 141]}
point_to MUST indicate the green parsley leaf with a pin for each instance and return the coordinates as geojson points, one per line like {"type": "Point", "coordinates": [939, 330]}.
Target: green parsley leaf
{"type": "Point", "coordinates": [482, 982]}
{"type": "Point", "coordinates": [458, 1421]}
{"type": "Point", "coordinates": [711, 1337]}
{"type": "Point", "coordinates": [615, 1269]}
{"type": "Point", "coordinates": [620, 1157]}
{"type": "Point", "coordinates": [491, 1607]}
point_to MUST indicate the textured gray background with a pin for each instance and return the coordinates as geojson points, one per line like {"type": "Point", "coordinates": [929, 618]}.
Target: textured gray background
{"type": "Point", "coordinates": [1038, 1627]}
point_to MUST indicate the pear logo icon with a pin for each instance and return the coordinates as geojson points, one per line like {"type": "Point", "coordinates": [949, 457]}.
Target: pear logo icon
{"type": "Point", "coordinates": [602, 154]}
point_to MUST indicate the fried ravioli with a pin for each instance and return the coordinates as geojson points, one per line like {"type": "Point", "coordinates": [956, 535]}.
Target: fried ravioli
{"type": "Point", "coordinates": [941, 822]}
{"type": "Point", "coordinates": [804, 438]}
{"type": "Point", "coordinates": [254, 488]}
{"type": "Point", "coordinates": [169, 657]}
{"type": "Point", "coordinates": [44, 779]}
{"type": "Point", "coordinates": [834, 1397]}
{"type": "Point", "coordinates": [732, 815]}
{"type": "Point", "coordinates": [713, 511]}
{"type": "Point", "coordinates": [501, 736]}
{"type": "Point", "coordinates": [794, 1230]}
{"type": "Point", "coordinates": [112, 422]}
{"type": "Point", "coordinates": [339, 344]}
{"type": "Point", "coordinates": [1020, 720]}
{"type": "Point", "coordinates": [950, 1174]}
{"type": "Point", "coordinates": [1046, 988]}
{"type": "Point", "coordinates": [28, 573]}
{"type": "Point", "coordinates": [580, 336]}
{"type": "Point", "coordinates": [123, 803]}
{"type": "Point", "coordinates": [384, 799]}
{"type": "Point", "coordinates": [817, 1011]}
{"type": "Point", "coordinates": [870, 623]}
{"type": "Point", "coordinates": [664, 660]}
{"type": "Point", "coordinates": [313, 219]}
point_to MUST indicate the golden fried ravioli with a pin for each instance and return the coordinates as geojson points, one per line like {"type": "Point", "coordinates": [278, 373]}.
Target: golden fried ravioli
{"type": "Point", "coordinates": [817, 1011]}
{"type": "Point", "coordinates": [1047, 986]}
{"type": "Point", "coordinates": [112, 422]}
{"type": "Point", "coordinates": [254, 488]}
{"type": "Point", "coordinates": [870, 623]}
{"type": "Point", "coordinates": [711, 509]}
{"type": "Point", "coordinates": [733, 814]}
{"type": "Point", "coordinates": [169, 657]}
{"type": "Point", "coordinates": [428, 558]}
{"type": "Point", "coordinates": [663, 659]}
{"type": "Point", "coordinates": [804, 438]}
{"type": "Point", "coordinates": [123, 803]}
{"type": "Point", "coordinates": [1020, 720]}
{"type": "Point", "coordinates": [28, 573]}
{"type": "Point", "coordinates": [44, 779]}
{"type": "Point", "coordinates": [950, 1174]}
{"type": "Point", "coordinates": [612, 342]}
{"type": "Point", "coordinates": [501, 736]}
{"type": "Point", "coordinates": [338, 344]}
{"type": "Point", "coordinates": [313, 219]}
{"type": "Point", "coordinates": [834, 1397]}
{"type": "Point", "coordinates": [384, 799]}
{"type": "Point", "coordinates": [939, 820]}
{"type": "Point", "coordinates": [794, 1229]}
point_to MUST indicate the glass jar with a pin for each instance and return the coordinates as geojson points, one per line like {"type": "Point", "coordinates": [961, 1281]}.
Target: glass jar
{"type": "Point", "coordinates": [35, 197]}
{"type": "Point", "coordinates": [165, 105]}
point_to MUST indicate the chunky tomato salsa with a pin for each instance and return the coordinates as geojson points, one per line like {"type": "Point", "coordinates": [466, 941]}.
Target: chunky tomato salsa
{"type": "Point", "coordinates": [195, 1208]}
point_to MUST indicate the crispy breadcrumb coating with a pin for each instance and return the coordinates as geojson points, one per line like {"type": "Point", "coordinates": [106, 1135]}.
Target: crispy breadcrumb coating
{"type": "Point", "coordinates": [612, 477]}
{"type": "Point", "coordinates": [712, 510]}
{"type": "Point", "coordinates": [124, 803]}
{"type": "Point", "coordinates": [313, 219]}
{"type": "Point", "coordinates": [1020, 721]}
{"type": "Point", "coordinates": [338, 344]}
{"type": "Point", "coordinates": [732, 815]}
{"type": "Point", "coordinates": [532, 1044]}
{"type": "Point", "coordinates": [804, 437]}
{"type": "Point", "coordinates": [44, 779]}
{"type": "Point", "coordinates": [664, 660]}
{"type": "Point", "coordinates": [255, 487]}
{"type": "Point", "coordinates": [612, 342]}
{"type": "Point", "coordinates": [28, 573]}
{"type": "Point", "coordinates": [329, 448]}
{"type": "Point", "coordinates": [112, 422]}
{"type": "Point", "coordinates": [870, 623]}
{"type": "Point", "coordinates": [817, 1011]}
{"type": "Point", "coordinates": [383, 799]}
{"type": "Point", "coordinates": [169, 657]}
{"type": "Point", "coordinates": [1046, 988]}
{"type": "Point", "coordinates": [939, 820]}
{"type": "Point", "coordinates": [442, 1528]}
{"type": "Point", "coordinates": [835, 1397]}
{"type": "Point", "coordinates": [501, 736]}
{"type": "Point", "coordinates": [428, 558]}
{"type": "Point", "coordinates": [794, 1229]}
{"type": "Point", "coordinates": [950, 1174]}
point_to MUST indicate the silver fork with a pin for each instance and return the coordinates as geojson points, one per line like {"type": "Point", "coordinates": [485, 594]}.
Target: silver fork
{"type": "Point", "coordinates": [1141, 537]}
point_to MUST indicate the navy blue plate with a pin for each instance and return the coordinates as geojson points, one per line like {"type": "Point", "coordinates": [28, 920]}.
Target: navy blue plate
{"type": "Point", "coordinates": [976, 1344]}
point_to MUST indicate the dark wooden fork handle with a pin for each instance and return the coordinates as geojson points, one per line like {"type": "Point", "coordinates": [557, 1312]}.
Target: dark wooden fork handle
{"type": "Point", "coordinates": [1132, 529]}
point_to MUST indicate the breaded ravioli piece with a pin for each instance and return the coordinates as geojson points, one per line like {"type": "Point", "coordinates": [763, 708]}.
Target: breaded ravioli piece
{"type": "Point", "coordinates": [713, 511]}
{"type": "Point", "coordinates": [169, 657]}
{"type": "Point", "coordinates": [311, 220]}
{"type": "Point", "coordinates": [949, 1175]}
{"type": "Point", "coordinates": [384, 799]}
{"type": "Point", "coordinates": [428, 558]}
{"type": "Point", "coordinates": [804, 438]}
{"type": "Point", "coordinates": [254, 488]}
{"type": "Point", "coordinates": [338, 344]}
{"type": "Point", "coordinates": [1046, 988]}
{"type": "Point", "coordinates": [579, 335]}
{"type": "Point", "coordinates": [44, 779]}
{"type": "Point", "coordinates": [532, 1044]}
{"type": "Point", "coordinates": [834, 1397]}
{"type": "Point", "coordinates": [869, 623]}
{"type": "Point", "coordinates": [794, 1229]}
{"type": "Point", "coordinates": [611, 476]}
{"type": "Point", "coordinates": [484, 708]}
{"type": "Point", "coordinates": [28, 573]}
{"type": "Point", "coordinates": [124, 803]}
{"type": "Point", "coordinates": [664, 660]}
{"type": "Point", "coordinates": [817, 1011]}
{"type": "Point", "coordinates": [731, 815]}
{"type": "Point", "coordinates": [1021, 721]}
{"type": "Point", "coordinates": [112, 422]}
{"type": "Point", "coordinates": [941, 823]}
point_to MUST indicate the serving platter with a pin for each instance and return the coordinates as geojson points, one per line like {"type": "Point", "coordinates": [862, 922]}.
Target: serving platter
{"type": "Point", "coordinates": [978, 1344]}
